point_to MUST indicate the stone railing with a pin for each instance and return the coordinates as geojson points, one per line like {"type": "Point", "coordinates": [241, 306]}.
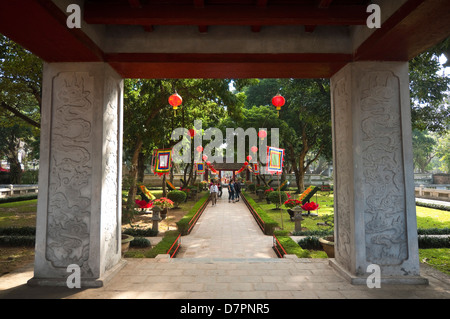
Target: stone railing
{"type": "Point", "coordinates": [17, 190]}
{"type": "Point", "coordinates": [432, 193]}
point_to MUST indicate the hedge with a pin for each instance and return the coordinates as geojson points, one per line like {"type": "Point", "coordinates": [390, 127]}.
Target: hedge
{"type": "Point", "coordinates": [18, 198]}
{"type": "Point", "coordinates": [163, 246]}
{"type": "Point", "coordinates": [269, 223]}
{"type": "Point", "coordinates": [291, 247]}
{"type": "Point", "coordinates": [18, 231]}
{"type": "Point", "coordinates": [183, 223]}
{"type": "Point", "coordinates": [435, 206]}
{"type": "Point", "coordinates": [149, 232]}
{"type": "Point", "coordinates": [16, 241]}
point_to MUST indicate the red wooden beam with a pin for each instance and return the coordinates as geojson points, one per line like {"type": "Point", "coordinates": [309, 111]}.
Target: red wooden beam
{"type": "Point", "coordinates": [193, 65]}
{"type": "Point", "coordinates": [119, 14]}
{"type": "Point", "coordinates": [411, 30]}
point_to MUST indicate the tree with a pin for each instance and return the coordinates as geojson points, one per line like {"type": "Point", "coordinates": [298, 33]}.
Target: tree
{"type": "Point", "coordinates": [424, 146]}
{"type": "Point", "coordinates": [20, 103]}
{"type": "Point", "coordinates": [304, 122]}
{"type": "Point", "coordinates": [443, 153]}
{"type": "Point", "coordinates": [429, 90]}
{"type": "Point", "coordinates": [149, 119]}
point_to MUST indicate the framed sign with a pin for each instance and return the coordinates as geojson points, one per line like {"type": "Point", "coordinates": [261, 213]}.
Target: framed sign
{"type": "Point", "coordinates": [275, 158]}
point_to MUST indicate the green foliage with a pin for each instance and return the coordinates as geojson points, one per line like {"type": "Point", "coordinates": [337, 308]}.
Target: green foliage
{"type": "Point", "coordinates": [183, 223]}
{"type": "Point", "coordinates": [177, 197]}
{"type": "Point", "coordinates": [15, 241]}
{"type": "Point", "coordinates": [163, 246]}
{"type": "Point", "coordinates": [140, 242]}
{"type": "Point", "coordinates": [310, 242]}
{"type": "Point", "coordinates": [269, 223]}
{"type": "Point", "coordinates": [291, 247]}
{"type": "Point", "coordinates": [274, 198]}
{"type": "Point", "coordinates": [136, 232]}
{"type": "Point", "coordinates": [18, 231]}
{"type": "Point", "coordinates": [18, 198]}
{"type": "Point", "coordinates": [433, 242]}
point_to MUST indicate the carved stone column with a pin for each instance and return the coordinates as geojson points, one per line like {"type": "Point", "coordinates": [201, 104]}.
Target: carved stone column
{"type": "Point", "coordinates": [79, 204]}
{"type": "Point", "coordinates": [375, 216]}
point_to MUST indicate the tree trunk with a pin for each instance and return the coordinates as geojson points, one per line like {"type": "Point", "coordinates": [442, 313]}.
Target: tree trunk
{"type": "Point", "coordinates": [133, 175]}
{"type": "Point", "coordinates": [141, 167]}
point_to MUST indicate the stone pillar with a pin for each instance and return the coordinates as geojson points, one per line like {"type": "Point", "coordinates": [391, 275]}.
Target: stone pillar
{"type": "Point", "coordinates": [375, 215]}
{"type": "Point", "coordinates": [79, 203]}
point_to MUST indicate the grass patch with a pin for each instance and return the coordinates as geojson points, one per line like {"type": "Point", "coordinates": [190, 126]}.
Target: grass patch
{"type": "Point", "coordinates": [161, 248]}
{"type": "Point", "coordinates": [438, 258]}
{"type": "Point", "coordinates": [183, 223]}
{"type": "Point", "coordinates": [292, 248]}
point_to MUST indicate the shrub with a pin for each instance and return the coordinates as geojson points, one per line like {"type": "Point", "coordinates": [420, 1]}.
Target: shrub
{"type": "Point", "coordinates": [163, 246]}
{"type": "Point", "coordinates": [148, 232]}
{"type": "Point", "coordinates": [433, 242]}
{"type": "Point", "coordinates": [269, 223]}
{"type": "Point", "coordinates": [177, 197]}
{"type": "Point", "coordinates": [291, 247]}
{"type": "Point", "coordinates": [140, 242]}
{"type": "Point", "coordinates": [251, 187]}
{"type": "Point", "coordinates": [183, 223]}
{"type": "Point", "coordinates": [310, 242]}
{"type": "Point", "coordinates": [274, 198]}
{"type": "Point", "coordinates": [15, 241]}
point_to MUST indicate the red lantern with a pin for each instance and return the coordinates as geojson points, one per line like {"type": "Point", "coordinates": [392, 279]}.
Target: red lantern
{"type": "Point", "coordinates": [262, 134]}
{"type": "Point", "coordinates": [278, 101]}
{"type": "Point", "coordinates": [175, 100]}
{"type": "Point", "coordinates": [192, 133]}
{"type": "Point", "coordinates": [249, 158]}
{"type": "Point", "coordinates": [204, 157]}
{"type": "Point", "coordinates": [199, 149]}
{"type": "Point", "coordinates": [254, 149]}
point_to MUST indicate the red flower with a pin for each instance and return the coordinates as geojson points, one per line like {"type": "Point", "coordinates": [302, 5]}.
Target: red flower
{"type": "Point", "coordinates": [144, 204]}
{"type": "Point", "coordinates": [310, 206]}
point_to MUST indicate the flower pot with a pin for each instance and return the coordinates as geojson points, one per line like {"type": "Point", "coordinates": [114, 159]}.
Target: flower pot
{"type": "Point", "coordinates": [126, 240]}
{"type": "Point", "coordinates": [328, 245]}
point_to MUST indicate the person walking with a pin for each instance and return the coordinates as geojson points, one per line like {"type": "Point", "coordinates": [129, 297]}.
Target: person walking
{"type": "Point", "coordinates": [213, 190]}
{"type": "Point", "coordinates": [231, 191]}
{"type": "Point", "coordinates": [237, 190]}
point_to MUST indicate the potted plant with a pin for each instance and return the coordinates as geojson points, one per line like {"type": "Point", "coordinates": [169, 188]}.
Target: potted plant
{"type": "Point", "coordinates": [328, 241]}
{"type": "Point", "coordinates": [163, 204]}
{"type": "Point", "coordinates": [328, 245]}
{"type": "Point", "coordinates": [126, 240]}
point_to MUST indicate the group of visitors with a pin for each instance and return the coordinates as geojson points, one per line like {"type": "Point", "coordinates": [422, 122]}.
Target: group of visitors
{"type": "Point", "coordinates": [234, 190]}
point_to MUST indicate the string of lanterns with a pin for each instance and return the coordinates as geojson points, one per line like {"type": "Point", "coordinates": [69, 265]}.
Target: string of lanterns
{"type": "Point", "coordinates": [175, 101]}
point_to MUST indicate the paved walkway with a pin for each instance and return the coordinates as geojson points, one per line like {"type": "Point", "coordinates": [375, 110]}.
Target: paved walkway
{"type": "Point", "coordinates": [226, 230]}
{"type": "Point", "coordinates": [216, 263]}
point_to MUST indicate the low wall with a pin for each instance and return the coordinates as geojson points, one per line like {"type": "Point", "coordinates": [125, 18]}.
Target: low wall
{"type": "Point", "coordinates": [431, 193]}
{"type": "Point", "coordinates": [17, 190]}
{"type": "Point", "coordinates": [441, 178]}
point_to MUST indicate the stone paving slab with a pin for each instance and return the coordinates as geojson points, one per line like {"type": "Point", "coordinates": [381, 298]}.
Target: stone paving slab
{"type": "Point", "coordinates": [226, 230]}
{"type": "Point", "coordinates": [216, 278]}
{"type": "Point", "coordinates": [207, 269]}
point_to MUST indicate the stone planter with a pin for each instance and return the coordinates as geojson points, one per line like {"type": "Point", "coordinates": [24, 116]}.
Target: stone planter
{"type": "Point", "coordinates": [126, 240]}
{"type": "Point", "coordinates": [328, 245]}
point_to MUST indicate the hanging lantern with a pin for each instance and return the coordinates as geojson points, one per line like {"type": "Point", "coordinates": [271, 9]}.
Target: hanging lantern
{"type": "Point", "coordinates": [175, 100]}
{"type": "Point", "coordinates": [278, 101]}
{"type": "Point", "coordinates": [249, 158]}
{"type": "Point", "coordinates": [199, 149]}
{"type": "Point", "coordinates": [254, 149]}
{"type": "Point", "coordinates": [262, 134]}
{"type": "Point", "coordinates": [204, 157]}
{"type": "Point", "coordinates": [192, 133]}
